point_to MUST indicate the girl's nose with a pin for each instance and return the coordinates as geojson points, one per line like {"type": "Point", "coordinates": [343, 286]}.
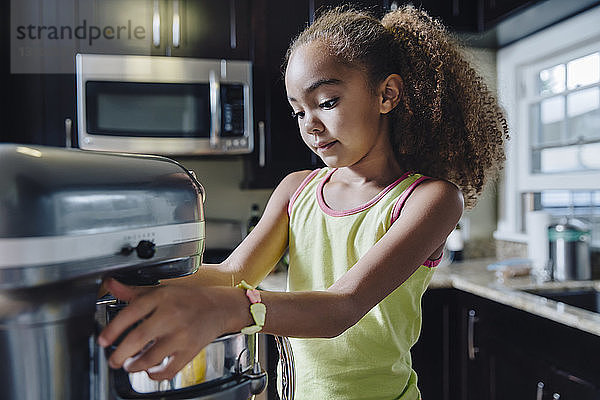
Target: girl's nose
{"type": "Point", "coordinates": [312, 125]}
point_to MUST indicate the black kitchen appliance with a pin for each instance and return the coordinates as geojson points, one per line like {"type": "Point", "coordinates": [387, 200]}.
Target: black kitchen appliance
{"type": "Point", "coordinates": [69, 218]}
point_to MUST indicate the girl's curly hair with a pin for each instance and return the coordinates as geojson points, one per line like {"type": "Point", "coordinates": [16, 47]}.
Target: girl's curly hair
{"type": "Point", "coordinates": [448, 124]}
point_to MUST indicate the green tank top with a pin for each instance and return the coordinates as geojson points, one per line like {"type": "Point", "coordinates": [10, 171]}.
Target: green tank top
{"type": "Point", "coordinates": [370, 360]}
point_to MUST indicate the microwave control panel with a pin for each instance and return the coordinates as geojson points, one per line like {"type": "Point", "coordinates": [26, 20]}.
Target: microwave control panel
{"type": "Point", "coordinates": [232, 110]}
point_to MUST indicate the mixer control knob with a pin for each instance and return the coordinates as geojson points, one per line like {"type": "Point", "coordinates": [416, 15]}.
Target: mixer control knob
{"type": "Point", "coordinates": [145, 249]}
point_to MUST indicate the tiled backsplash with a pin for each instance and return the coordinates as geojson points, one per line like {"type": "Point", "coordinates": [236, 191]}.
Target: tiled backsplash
{"type": "Point", "coordinates": [506, 249]}
{"type": "Point", "coordinates": [480, 248]}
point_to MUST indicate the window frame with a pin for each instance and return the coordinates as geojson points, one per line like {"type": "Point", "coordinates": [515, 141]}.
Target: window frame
{"type": "Point", "coordinates": [533, 182]}
{"type": "Point", "coordinates": [515, 65]}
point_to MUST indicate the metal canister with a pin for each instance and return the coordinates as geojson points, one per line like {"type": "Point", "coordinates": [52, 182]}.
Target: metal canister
{"type": "Point", "coordinates": [569, 251]}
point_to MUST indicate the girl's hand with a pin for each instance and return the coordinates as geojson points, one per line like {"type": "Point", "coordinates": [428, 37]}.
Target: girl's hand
{"type": "Point", "coordinates": [176, 321]}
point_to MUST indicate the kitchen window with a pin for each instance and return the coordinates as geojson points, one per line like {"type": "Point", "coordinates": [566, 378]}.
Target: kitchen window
{"type": "Point", "coordinates": [549, 85]}
{"type": "Point", "coordinates": [563, 102]}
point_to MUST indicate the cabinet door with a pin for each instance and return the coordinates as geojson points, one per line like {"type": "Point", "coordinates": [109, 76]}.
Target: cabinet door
{"type": "Point", "coordinates": [115, 26]}
{"type": "Point", "coordinates": [37, 108]}
{"type": "Point", "coordinates": [494, 11]}
{"type": "Point", "coordinates": [207, 29]}
{"type": "Point", "coordinates": [519, 373]}
{"type": "Point", "coordinates": [36, 73]}
{"type": "Point", "coordinates": [458, 15]}
{"type": "Point", "coordinates": [185, 28]}
{"type": "Point", "coordinates": [514, 374]}
{"type": "Point", "coordinates": [496, 364]}
{"type": "Point", "coordinates": [434, 353]}
{"type": "Point", "coordinates": [473, 360]}
{"type": "Point", "coordinates": [519, 350]}
{"type": "Point", "coordinates": [570, 386]}
{"type": "Point", "coordinates": [278, 146]}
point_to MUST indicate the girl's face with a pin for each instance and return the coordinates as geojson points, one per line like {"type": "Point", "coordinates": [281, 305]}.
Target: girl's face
{"type": "Point", "coordinates": [339, 116]}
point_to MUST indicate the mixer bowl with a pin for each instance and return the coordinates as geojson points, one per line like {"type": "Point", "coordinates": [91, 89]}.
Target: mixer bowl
{"type": "Point", "coordinates": [223, 359]}
{"type": "Point", "coordinates": [226, 368]}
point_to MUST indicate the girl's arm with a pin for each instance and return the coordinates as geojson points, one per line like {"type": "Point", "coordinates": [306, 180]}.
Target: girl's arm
{"type": "Point", "coordinates": [183, 320]}
{"type": "Point", "coordinates": [260, 251]}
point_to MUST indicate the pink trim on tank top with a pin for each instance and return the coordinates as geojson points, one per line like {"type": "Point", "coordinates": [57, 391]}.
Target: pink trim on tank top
{"type": "Point", "coordinates": [335, 213]}
{"type": "Point", "coordinates": [433, 263]}
{"type": "Point", "coordinates": [396, 213]}
{"type": "Point", "coordinates": [402, 199]}
{"type": "Point", "coordinates": [305, 182]}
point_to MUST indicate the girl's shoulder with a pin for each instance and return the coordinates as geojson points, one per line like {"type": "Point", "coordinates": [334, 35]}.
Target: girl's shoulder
{"type": "Point", "coordinates": [288, 187]}
{"type": "Point", "coordinates": [436, 192]}
{"type": "Point", "coordinates": [294, 179]}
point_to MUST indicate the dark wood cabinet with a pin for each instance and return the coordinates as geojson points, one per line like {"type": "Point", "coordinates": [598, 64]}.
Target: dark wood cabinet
{"type": "Point", "coordinates": [183, 28]}
{"type": "Point", "coordinates": [513, 373]}
{"type": "Point", "coordinates": [35, 105]}
{"type": "Point", "coordinates": [487, 350]}
{"type": "Point", "coordinates": [279, 149]}
{"type": "Point", "coordinates": [38, 108]}
{"type": "Point", "coordinates": [458, 15]}
{"type": "Point", "coordinates": [434, 354]}
{"type": "Point", "coordinates": [207, 29]}
{"type": "Point", "coordinates": [494, 11]}
{"type": "Point", "coordinates": [569, 386]}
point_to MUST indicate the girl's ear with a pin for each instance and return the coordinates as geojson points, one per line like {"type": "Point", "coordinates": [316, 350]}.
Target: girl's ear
{"type": "Point", "coordinates": [391, 91]}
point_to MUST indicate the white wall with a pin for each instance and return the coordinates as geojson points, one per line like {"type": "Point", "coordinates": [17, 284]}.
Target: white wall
{"type": "Point", "coordinates": [221, 180]}
{"type": "Point", "coordinates": [482, 218]}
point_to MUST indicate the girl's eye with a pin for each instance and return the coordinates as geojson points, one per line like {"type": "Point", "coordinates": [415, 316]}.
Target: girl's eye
{"type": "Point", "coordinates": [329, 103]}
{"type": "Point", "coordinates": [299, 114]}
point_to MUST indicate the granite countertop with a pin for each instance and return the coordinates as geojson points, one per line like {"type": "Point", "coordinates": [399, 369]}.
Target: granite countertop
{"type": "Point", "coordinates": [474, 277]}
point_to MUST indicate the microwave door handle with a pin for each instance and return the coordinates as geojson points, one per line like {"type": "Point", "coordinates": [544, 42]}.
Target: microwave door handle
{"type": "Point", "coordinates": [261, 144]}
{"type": "Point", "coordinates": [215, 109]}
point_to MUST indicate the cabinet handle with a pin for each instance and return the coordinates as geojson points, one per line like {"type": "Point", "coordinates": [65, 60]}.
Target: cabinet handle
{"type": "Point", "coordinates": [176, 24]}
{"type": "Point", "coordinates": [156, 25]}
{"type": "Point", "coordinates": [455, 8]}
{"type": "Point", "coordinates": [215, 109]}
{"type": "Point", "coordinates": [539, 394]}
{"type": "Point", "coordinates": [261, 144]}
{"type": "Point", "coordinates": [232, 25]}
{"type": "Point", "coordinates": [68, 129]}
{"type": "Point", "coordinates": [471, 349]}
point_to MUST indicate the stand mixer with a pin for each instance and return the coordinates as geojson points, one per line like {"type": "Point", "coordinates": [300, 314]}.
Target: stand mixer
{"type": "Point", "coordinates": [69, 218]}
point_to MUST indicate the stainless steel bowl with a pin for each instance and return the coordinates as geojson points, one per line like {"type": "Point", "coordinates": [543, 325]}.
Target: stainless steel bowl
{"type": "Point", "coordinates": [226, 357]}
{"type": "Point", "coordinates": [227, 368]}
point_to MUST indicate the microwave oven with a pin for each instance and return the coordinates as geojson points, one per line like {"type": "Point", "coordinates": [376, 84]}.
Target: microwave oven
{"type": "Point", "coordinates": [164, 105]}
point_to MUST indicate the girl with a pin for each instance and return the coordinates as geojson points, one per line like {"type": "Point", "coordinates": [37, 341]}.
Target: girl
{"type": "Point", "coordinates": [409, 134]}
